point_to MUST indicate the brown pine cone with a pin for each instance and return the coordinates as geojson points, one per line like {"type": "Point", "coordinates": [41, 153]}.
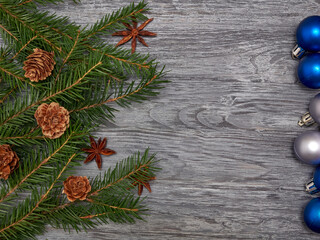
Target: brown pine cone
{"type": "Point", "coordinates": [9, 161]}
{"type": "Point", "coordinates": [39, 65]}
{"type": "Point", "coordinates": [76, 188]}
{"type": "Point", "coordinates": [53, 119]}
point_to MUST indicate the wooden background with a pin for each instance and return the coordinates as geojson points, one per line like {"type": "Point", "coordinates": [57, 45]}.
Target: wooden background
{"type": "Point", "coordinates": [224, 128]}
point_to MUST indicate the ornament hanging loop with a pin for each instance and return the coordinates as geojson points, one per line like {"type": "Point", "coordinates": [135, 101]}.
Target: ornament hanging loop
{"type": "Point", "coordinates": [306, 120]}
{"type": "Point", "coordinates": [297, 52]}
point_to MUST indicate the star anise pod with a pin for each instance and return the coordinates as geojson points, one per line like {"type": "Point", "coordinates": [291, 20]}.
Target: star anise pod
{"type": "Point", "coordinates": [134, 32]}
{"type": "Point", "coordinates": [97, 148]}
{"type": "Point", "coordinates": [142, 184]}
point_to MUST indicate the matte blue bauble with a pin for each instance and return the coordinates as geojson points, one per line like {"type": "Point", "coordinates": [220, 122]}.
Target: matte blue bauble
{"type": "Point", "coordinates": [309, 70]}
{"type": "Point", "coordinates": [312, 215]}
{"type": "Point", "coordinates": [308, 34]}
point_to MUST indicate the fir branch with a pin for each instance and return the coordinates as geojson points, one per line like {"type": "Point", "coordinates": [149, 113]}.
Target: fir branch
{"type": "Point", "coordinates": [122, 15]}
{"type": "Point", "coordinates": [119, 16]}
{"type": "Point", "coordinates": [68, 56]}
{"type": "Point", "coordinates": [88, 76]}
{"type": "Point", "coordinates": [110, 198]}
{"type": "Point", "coordinates": [121, 59]}
{"type": "Point", "coordinates": [22, 180]}
{"type": "Point", "coordinates": [79, 215]}
{"type": "Point", "coordinates": [60, 32]}
{"type": "Point", "coordinates": [72, 85]}
{"type": "Point", "coordinates": [117, 98]}
{"type": "Point", "coordinates": [10, 33]}
{"type": "Point", "coordinates": [50, 96]}
{"type": "Point", "coordinates": [11, 74]}
{"type": "Point", "coordinates": [27, 136]}
{"type": "Point", "coordinates": [19, 113]}
{"type": "Point", "coordinates": [43, 2]}
{"type": "Point", "coordinates": [24, 46]}
{"type": "Point", "coordinates": [136, 167]}
{"type": "Point", "coordinates": [14, 85]}
{"type": "Point", "coordinates": [109, 206]}
{"type": "Point", "coordinates": [16, 224]}
{"type": "Point", "coordinates": [25, 2]}
{"type": "Point", "coordinates": [7, 94]}
{"type": "Point", "coordinates": [93, 216]}
{"type": "Point", "coordinates": [122, 207]}
{"type": "Point", "coordinates": [130, 92]}
{"type": "Point", "coordinates": [133, 92]}
{"type": "Point", "coordinates": [29, 27]}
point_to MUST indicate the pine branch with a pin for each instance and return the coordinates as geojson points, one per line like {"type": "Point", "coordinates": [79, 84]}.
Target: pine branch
{"type": "Point", "coordinates": [109, 206]}
{"type": "Point", "coordinates": [95, 94]}
{"type": "Point", "coordinates": [109, 199]}
{"type": "Point", "coordinates": [137, 167]}
{"type": "Point", "coordinates": [9, 13]}
{"type": "Point", "coordinates": [133, 63]}
{"type": "Point", "coordinates": [102, 206]}
{"type": "Point", "coordinates": [6, 93]}
{"type": "Point", "coordinates": [111, 21]}
{"type": "Point", "coordinates": [68, 56]}
{"type": "Point", "coordinates": [121, 58]}
{"type": "Point", "coordinates": [59, 91]}
{"type": "Point", "coordinates": [123, 97]}
{"type": "Point", "coordinates": [21, 137]}
{"type": "Point", "coordinates": [88, 75]}
{"type": "Point", "coordinates": [24, 46]}
{"type": "Point", "coordinates": [10, 33]}
{"type": "Point", "coordinates": [42, 2]}
{"type": "Point", "coordinates": [35, 172]}
{"type": "Point", "coordinates": [52, 96]}
{"type": "Point", "coordinates": [39, 1]}
{"type": "Point", "coordinates": [8, 70]}
{"type": "Point", "coordinates": [11, 75]}
{"type": "Point", "coordinates": [21, 223]}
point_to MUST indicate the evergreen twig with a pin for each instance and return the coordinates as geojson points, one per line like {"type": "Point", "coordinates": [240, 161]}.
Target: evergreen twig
{"type": "Point", "coordinates": [88, 77]}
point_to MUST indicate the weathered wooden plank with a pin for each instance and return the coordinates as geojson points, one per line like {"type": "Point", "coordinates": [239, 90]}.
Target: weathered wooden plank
{"type": "Point", "coordinates": [224, 127]}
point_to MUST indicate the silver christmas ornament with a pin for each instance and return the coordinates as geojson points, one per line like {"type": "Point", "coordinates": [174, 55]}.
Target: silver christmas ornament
{"type": "Point", "coordinates": [314, 113]}
{"type": "Point", "coordinates": [307, 147]}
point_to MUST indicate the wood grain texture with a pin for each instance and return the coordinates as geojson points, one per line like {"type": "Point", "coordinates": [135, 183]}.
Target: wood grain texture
{"type": "Point", "coordinates": [224, 127]}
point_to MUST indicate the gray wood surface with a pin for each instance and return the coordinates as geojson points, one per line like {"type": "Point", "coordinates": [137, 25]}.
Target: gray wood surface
{"type": "Point", "coordinates": [224, 127]}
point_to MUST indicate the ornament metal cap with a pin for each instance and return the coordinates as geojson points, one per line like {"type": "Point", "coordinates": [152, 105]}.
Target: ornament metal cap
{"type": "Point", "coordinates": [297, 52]}
{"type": "Point", "coordinates": [311, 187]}
{"type": "Point", "coordinates": [306, 120]}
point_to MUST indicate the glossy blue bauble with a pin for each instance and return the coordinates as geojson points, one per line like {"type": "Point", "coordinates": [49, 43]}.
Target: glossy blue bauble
{"type": "Point", "coordinates": [308, 34]}
{"type": "Point", "coordinates": [313, 186]}
{"type": "Point", "coordinates": [309, 70]}
{"type": "Point", "coordinates": [316, 177]}
{"type": "Point", "coordinates": [312, 215]}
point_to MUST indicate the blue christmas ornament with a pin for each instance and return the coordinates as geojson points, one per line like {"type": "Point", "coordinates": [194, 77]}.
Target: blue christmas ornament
{"type": "Point", "coordinates": [308, 37]}
{"type": "Point", "coordinates": [309, 70]}
{"type": "Point", "coordinates": [312, 215]}
{"type": "Point", "coordinates": [313, 186]}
